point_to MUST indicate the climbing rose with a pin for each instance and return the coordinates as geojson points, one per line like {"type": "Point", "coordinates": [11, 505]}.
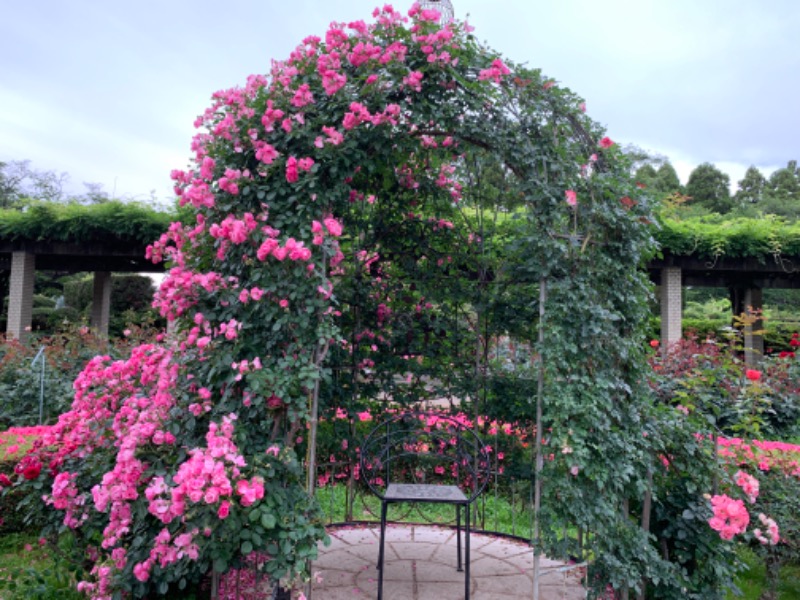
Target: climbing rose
{"type": "Point", "coordinates": [606, 142]}
{"type": "Point", "coordinates": [572, 197]}
{"type": "Point", "coordinates": [730, 516]}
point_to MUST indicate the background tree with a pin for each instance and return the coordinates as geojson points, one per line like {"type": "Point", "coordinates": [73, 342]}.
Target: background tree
{"type": "Point", "coordinates": [667, 180]}
{"type": "Point", "coordinates": [709, 188]}
{"type": "Point", "coordinates": [19, 180]}
{"type": "Point", "coordinates": [647, 176]}
{"type": "Point", "coordinates": [784, 184]}
{"type": "Point", "coordinates": [751, 187]}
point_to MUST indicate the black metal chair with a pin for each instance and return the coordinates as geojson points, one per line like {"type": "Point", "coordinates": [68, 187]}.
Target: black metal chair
{"type": "Point", "coordinates": [425, 457]}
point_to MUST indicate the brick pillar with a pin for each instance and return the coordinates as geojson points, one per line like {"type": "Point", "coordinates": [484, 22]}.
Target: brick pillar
{"type": "Point", "coordinates": [753, 332]}
{"type": "Point", "coordinates": [101, 302]}
{"type": "Point", "coordinates": [20, 296]}
{"type": "Point", "coordinates": [671, 307]}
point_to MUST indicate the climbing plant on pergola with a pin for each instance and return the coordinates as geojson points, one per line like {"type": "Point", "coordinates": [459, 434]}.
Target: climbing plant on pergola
{"type": "Point", "coordinates": [339, 249]}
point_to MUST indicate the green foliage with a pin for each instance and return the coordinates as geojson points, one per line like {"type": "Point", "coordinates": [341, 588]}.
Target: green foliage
{"type": "Point", "coordinates": [76, 223]}
{"type": "Point", "coordinates": [30, 569]}
{"type": "Point", "coordinates": [752, 581]}
{"type": "Point", "coordinates": [713, 236]}
{"type": "Point", "coordinates": [66, 354]}
{"type": "Point", "coordinates": [779, 498]}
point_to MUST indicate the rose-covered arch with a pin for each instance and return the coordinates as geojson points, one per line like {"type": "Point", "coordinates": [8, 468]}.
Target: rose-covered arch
{"type": "Point", "coordinates": [333, 219]}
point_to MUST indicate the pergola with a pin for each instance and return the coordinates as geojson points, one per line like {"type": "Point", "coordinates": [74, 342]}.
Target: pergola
{"type": "Point", "coordinates": [744, 278]}
{"type": "Point", "coordinates": [23, 258]}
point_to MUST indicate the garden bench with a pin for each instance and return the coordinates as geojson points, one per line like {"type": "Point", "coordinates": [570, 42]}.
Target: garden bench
{"type": "Point", "coordinates": [425, 457]}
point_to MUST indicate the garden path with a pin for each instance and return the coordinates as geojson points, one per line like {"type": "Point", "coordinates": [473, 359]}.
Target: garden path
{"type": "Point", "coordinates": [420, 565]}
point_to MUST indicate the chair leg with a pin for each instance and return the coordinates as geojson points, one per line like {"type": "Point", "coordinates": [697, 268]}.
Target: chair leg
{"type": "Point", "coordinates": [384, 507]}
{"type": "Point", "coordinates": [458, 536]}
{"type": "Point", "coordinates": [466, 552]}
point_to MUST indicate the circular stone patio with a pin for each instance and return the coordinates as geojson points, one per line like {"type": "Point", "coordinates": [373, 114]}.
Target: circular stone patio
{"type": "Point", "coordinates": [421, 565]}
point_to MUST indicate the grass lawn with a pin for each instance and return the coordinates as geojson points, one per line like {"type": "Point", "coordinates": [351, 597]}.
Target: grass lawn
{"type": "Point", "coordinates": [30, 570]}
{"type": "Point", "coordinates": [752, 581]}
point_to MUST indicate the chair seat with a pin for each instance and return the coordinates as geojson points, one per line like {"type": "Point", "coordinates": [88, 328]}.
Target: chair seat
{"type": "Point", "coordinates": [424, 492]}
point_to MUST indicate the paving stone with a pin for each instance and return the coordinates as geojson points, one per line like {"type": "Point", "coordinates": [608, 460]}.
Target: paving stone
{"type": "Point", "coordinates": [416, 550]}
{"type": "Point", "coordinates": [420, 565]}
{"type": "Point", "coordinates": [430, 571]}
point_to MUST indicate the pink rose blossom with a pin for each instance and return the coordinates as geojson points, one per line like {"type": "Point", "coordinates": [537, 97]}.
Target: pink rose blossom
{"type": "Point", "coordinates": [606, 142]}
{"type": "Point", "coordinates": [572, 197]}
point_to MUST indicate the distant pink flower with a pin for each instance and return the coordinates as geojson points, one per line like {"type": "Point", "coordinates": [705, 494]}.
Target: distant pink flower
{"type": "Point", "coordinates": [572, 197]}
{"type": "Point", "coordinates": [749, 485]}
{"type": "Point", "coordinates": [364, 416]}
{"type": "Point", "coordinates": [753, 375]}
{"type": "Point", "coordinates": [772, 531]}
{"type": "Point", "coordinates": [495, 72]}
{"type": "Point", "coordinates": [224, 509]}
{"type": "Point", "coordinates": [606, 142]}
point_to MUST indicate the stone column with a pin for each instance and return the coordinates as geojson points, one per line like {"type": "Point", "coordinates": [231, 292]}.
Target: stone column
{"type": "Point", "coordinates": [671, 307]}
{"type": "Point", "coordinates": [754, 326]}
{"type": "Point", "coordinates": [101, 302]}
{"type": "Point", "coordinates": [20, 296]}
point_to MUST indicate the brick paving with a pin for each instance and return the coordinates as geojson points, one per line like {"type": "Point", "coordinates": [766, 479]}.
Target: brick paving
{"type": "Point", "coordinates": [421, 565]}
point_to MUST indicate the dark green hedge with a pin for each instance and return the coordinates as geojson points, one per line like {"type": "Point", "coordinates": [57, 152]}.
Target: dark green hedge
{"type": "Point", "coordinates": [78, 223]}
{"type": "Point", "coordinates": [714, 236]}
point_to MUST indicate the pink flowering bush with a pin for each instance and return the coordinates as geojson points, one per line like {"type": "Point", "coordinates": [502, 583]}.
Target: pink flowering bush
{"type": "Point", "coordinates": [749, 494]}
{"type": "Point", "coordinates": [767, 475]}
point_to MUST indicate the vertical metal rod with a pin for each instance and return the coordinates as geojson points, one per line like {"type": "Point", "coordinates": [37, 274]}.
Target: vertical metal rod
{"type": "Point", "coordinates": [513, 512]}
{"type": "Point", "coordinates": [496, 475]}
{"type": "Point", "coordinates": [537, 492]}
{"type": "Point", "coordinates": [647, 507]}
{"type": "Point", "coordinates": [40, 356]}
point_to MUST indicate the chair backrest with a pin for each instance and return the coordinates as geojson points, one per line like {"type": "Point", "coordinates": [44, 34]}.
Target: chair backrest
{"type": "Point", "coordinates": [425, 447]}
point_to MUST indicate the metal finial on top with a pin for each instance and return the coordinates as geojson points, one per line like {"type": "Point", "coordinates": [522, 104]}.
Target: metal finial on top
{"type": "Point", "coordinates": [445, 8]}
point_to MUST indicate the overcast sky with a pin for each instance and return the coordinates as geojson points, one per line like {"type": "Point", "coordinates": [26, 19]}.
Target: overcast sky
{"type": "Point", "coordinates": [107, 91]}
